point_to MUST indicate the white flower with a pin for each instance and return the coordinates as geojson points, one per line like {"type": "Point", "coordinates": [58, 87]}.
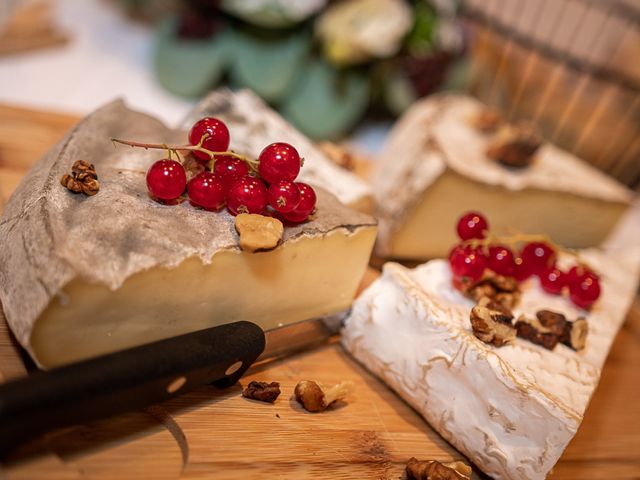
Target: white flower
{"type": "Point", "coordinates": [273, 13]}
{"type": "Point", "coordinates": [356, 30]}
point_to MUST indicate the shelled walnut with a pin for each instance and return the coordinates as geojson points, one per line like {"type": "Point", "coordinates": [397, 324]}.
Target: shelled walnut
{"type": "Point", "coordinates": [504, 290]}
{"type": "Point", "coordinates": [263, 391]}
{"type": "Point", "coordinates": [257, 232]}
{"type": "Point", "coordinates": [83, 178]}
{"type": "Point", "coordinates": [434, 470]}
{"type": "Point", "coordinates": [549, 328]}
{"type": "Point", "coordinates": [316, 398]}
{"type": "Point", "coordinates": [491, 322]}
{"type": "Point", "coordinates": [515, 145]}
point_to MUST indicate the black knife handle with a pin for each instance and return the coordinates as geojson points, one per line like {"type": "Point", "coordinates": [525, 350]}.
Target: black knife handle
{"type": "Point", "coordinates": [125, 380]}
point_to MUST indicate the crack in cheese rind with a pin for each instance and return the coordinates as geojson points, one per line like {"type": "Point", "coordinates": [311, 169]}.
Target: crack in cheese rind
{"type": "Point", "coordinates": [304, 278]}
{"type": "Point", "coordinates": [51, 237]}
{"type": "Point", "coordinates": [513, 409]}
{"type": "Point", "coordinates": [433, 143]}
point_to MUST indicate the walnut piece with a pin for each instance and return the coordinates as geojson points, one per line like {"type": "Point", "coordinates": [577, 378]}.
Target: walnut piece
{"type": "Point", "coordinates": [504, 290]}
{"type": "Point", "coordinates": [71, 183]}
{"type": "Point", "coordinates": [487, 120]}
{"type": "Point", "coordinates": [258, 232]}
{"type": "Point", "coordinates": [515, 145]}
{"type": "Point", "coordinates": [549, 328]}
{"type": "Point", "coordinates": [531, 329]}
{"type": "Point", "coordinates": [575, 334]}
{"type": "Point", "coordinates": [263, 391]}
{"type": "Point", "coordinates": [82, 169]}
{"type": "Point", "coordinates": [83, 178]}
{"type": "Point", "coordinates": [338, 155]}
{"type": "Point", "coordinates": [316, 398]}
{"type": "Point", "coordinates": [491, 323]}
{"type": "Point", "coordinates": [434, 470]}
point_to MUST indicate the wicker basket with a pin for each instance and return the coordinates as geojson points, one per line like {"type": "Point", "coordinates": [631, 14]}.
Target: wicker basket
{"type": "Point", "coordinates": [570, 66]}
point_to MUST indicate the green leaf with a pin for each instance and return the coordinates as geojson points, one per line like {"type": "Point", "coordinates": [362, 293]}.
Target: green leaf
{"type": "Point", "coordinates": [267, 62]}
{"type": "Point", "coordinates": [188, 67]}
{"type": "Point", "coordinates": [325, 103]}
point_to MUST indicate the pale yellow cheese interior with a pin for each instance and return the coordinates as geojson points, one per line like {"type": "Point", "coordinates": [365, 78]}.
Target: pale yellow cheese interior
{"type": "Point", "coordinates": [303, 278]}
{"type": "Point", "coordinates": [428, 230]}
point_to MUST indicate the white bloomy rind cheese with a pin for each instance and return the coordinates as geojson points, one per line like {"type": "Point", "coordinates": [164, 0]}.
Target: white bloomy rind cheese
{"type": "Point", "coordinates": [512, 410]}
{"type": "Point", "coordinates": [83, 276]}
{"type": "Point", "coordinates": [433, 168]}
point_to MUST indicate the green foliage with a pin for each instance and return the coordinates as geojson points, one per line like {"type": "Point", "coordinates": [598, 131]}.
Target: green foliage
{"type": "Point", "coordinates": [326, 102]}
{"type": "Point", "coordinates": [267, 61]}
{"type": "Point", "coordinates": [420, 40]}
{"type": "Point", "coordinates": [189, 68]}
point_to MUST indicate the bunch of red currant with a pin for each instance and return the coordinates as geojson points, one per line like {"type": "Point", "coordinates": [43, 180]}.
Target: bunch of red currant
{"type": "Point", "coordinates": [477, 253]}
{"type": "Point", "coordinates": [263, 186]}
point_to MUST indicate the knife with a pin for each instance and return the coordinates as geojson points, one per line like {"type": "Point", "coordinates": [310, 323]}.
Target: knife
{"type": "Point", "coordinates": [137, 377]}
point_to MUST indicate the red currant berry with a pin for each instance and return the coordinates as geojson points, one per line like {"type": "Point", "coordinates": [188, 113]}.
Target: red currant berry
{"type": "Point", "coordinates": [576, 272]}
{"type": "Point", "coordinates": [279, 161]}
{"type": "Point", "coordinates": [207, 190]}
{"type": "Point", "coordinates": [500, 260]}
{"type": "Point", "coordinates": [472, 225]}
{"type": "Point", "coordinates": [230, 169]}
{"type": "Point", "coordinates": [166, 179]}
{"type": "Point", "coordinates": [539, 257]}
{"type": "Point", "coordinates": [217, 136]}
{"type": "Point", "coordinates": [247, 195]}
{"type": "Point", "coordinates": [521, 270]}
{"type": "Point", "coordinates": [553, 281]}
{"type": "Point", "coordinates": [306, 205]}
{"type": "Point", "coordinates": [284, 196]}
{"type": "Point", "coordinates": [467, 262]}
{"type": "Point", "coordinates": [585, 290]}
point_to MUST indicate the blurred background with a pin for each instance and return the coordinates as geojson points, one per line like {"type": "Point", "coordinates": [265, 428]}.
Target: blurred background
{"type": "Point", "coordinates": [340, 69]}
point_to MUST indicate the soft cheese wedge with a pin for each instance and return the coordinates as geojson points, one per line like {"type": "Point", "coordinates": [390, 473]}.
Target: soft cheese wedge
{"type": "Point", "coordinates": [512, 410]}
{"type": "Point", "coordinates": [433, 168]}
{"type": "Point", "coordinates": [83, 276]}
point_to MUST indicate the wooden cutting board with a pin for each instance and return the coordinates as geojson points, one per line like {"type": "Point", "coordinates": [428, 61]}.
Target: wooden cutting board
{"type": "Point", "coordinates": [218, 434]}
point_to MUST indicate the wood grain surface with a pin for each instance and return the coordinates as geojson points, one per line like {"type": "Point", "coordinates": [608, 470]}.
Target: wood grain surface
{"type": "Point", "coordinates": [218, 434]}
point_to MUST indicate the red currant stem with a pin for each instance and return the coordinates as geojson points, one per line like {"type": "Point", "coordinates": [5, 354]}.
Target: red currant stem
{"type": "Point", "coordinates": [189, 148]}
{"type": "Point", "coordinates": [512, 240]}
{"type": "Point", "coordinates": [132, 170]}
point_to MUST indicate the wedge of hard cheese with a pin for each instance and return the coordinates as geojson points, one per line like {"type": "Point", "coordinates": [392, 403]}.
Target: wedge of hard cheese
{"type": "Point", "coordinates": [433, 168]}
{"type": "Point", "coordinates": [82, 276]}
{"type": "Point", "coordinates": [512, 410]}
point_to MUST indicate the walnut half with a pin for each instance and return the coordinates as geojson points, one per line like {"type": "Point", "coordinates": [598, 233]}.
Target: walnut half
{"type": "Point", "coordinates": [515, 145]}
{"type": "Point", "coordinates": [263, 391]}
{"type": "Point", "coordinates": [491, 323]}
{"type": "Point", "coordinates": [83, 178]}
{"type": "Point", "coordinates": [434, 470]}
{"type": "Point", "coordinates": [316, 398]}
{"type": "Point", "coordinates": [257, 232]}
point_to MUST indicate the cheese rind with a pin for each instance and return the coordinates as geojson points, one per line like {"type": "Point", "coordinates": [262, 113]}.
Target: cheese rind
{"type": "Point", "coordinates": [433, 146]}
{"type": "Point", "coordinates": [512, 410]}
{"type": "Point", "coordinates": [57, 244]}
